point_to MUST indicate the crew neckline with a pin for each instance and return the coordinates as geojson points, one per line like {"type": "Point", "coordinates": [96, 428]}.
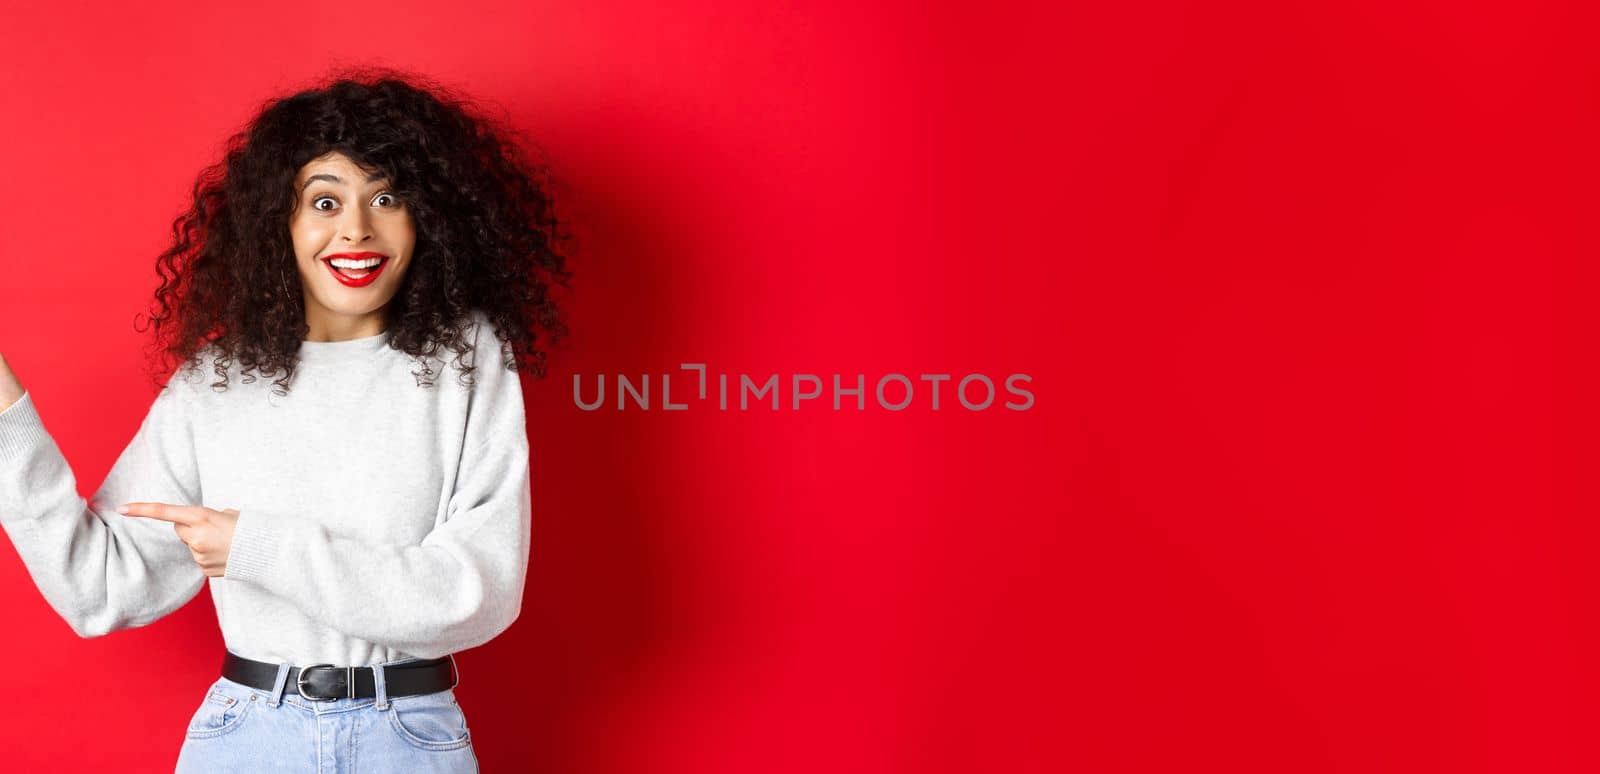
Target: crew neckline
{"type": "Point", "coordinates": [333, 351]}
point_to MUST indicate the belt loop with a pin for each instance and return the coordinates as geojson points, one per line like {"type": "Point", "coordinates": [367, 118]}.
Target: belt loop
{"type": "Point", "coordinates": [277, 687]}
{"type": "Point", "coordinates": [379, 688]}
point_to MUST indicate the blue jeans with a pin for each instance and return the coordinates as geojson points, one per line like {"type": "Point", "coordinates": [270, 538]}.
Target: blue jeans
{"type": "Point", "coordinates": [242, 729]}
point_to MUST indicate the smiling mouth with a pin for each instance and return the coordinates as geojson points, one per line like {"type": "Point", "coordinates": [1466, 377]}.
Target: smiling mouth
{"type": "Point", "coordinates": [356, 277]}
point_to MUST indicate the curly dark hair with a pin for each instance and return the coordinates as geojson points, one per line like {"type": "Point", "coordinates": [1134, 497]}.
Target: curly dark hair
{"type": "Point", "coordinates": [486, 234]}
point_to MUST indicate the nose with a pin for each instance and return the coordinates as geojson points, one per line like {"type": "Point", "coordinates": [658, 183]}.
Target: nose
{"type": "Point", "coordinates": [354, 227]}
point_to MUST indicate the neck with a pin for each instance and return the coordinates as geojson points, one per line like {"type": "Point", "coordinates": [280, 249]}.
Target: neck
{"type": "Point", "coordinates": [328, 327]}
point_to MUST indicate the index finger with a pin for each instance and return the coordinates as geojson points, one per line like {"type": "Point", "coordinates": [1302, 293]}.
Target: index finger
{"type": "Point", "coordinates": [177, 514]}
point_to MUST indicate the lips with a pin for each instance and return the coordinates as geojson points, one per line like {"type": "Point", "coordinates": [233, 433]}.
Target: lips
{"type": "Point", "coordinates": [356, 282]}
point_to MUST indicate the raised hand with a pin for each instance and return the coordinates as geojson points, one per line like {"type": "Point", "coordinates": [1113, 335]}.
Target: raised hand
{"type": "Point", "coordinates": [207, 532]}
{"type": "Point", "coordinates": [10, 389]}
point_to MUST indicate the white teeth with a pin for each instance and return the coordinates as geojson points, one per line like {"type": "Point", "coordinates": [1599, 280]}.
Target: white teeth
{"type": "Point", "coordinates": [365, 263]}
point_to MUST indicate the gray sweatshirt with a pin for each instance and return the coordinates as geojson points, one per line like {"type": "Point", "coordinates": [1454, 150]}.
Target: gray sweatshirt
{"type": "Point", "coordinates": [378, 519]}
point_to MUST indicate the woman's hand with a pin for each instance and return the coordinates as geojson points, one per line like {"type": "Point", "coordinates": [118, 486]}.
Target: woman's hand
{"type": "Point", "coordinates": [10, 389]}
{"type": "Point", "coordinates": [207, 532]}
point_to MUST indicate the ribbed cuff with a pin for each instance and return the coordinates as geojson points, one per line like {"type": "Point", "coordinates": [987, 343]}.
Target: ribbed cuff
{"type": "Point", "coordinates": [21, 429]}
{"type": "Point", "coordinates": [255, 547]}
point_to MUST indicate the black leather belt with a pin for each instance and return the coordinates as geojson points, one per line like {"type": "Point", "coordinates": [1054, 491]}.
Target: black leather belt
{"type": "Point", "coordinates": [321, 682]}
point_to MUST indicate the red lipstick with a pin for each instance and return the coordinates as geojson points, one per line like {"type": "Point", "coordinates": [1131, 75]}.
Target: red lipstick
{"type": "Point", "coordinates": [356, 282]}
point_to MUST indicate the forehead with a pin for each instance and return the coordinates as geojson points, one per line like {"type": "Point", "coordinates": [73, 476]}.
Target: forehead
{"type": "Point", "coordinates": [336, 168]}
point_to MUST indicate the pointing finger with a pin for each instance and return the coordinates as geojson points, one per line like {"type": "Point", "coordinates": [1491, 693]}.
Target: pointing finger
{"type": "Point", "coordinates": [177, 514]}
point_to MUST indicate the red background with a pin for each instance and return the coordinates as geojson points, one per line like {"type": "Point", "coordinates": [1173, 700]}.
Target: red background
{"type": "Point", "coordinates": [1287, 278]}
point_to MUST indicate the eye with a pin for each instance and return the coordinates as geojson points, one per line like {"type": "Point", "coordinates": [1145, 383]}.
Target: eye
{"type": "Point", "coordinates": [391, 197]}
{"type": "Point", "coordinates": [320, 199]}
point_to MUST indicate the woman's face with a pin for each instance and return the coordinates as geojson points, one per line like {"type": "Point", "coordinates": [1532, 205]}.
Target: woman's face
{"type": "Point", "coordinates": [340, 213]}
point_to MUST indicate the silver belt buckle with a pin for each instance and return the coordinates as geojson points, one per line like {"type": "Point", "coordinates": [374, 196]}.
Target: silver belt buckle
{"type": "Point", "coordinates": [349, 682]}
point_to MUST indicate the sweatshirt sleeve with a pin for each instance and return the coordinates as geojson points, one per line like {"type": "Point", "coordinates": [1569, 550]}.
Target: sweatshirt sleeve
{"type": "Point", "coordinates": [457, 589]}
{"type": "Point", "coordinates": [100, 570]}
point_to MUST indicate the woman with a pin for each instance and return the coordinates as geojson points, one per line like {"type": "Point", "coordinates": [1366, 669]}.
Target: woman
{"type": "Point", "coordinates": [358, 521]}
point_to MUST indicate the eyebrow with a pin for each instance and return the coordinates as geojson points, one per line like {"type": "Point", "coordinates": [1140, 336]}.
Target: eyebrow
{"type": "Point", "coordinates": [372, 178]}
